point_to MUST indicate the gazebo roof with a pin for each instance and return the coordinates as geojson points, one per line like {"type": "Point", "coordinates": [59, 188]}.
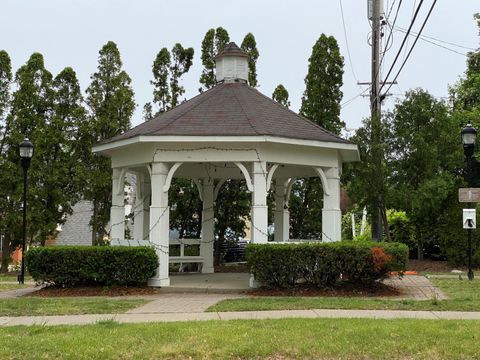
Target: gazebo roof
{"type": "Point", "coordinates": [231, 109]}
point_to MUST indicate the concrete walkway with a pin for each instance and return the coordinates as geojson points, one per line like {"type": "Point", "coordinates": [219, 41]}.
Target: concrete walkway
{"type": "Point", "coordinates": [237, 315]}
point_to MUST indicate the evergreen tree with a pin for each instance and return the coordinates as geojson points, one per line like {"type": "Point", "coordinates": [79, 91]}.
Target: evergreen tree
{"type": "Point", "coordinates": [249, 45]}
{"type": "Point", "coordinates": [280, 95]}
{"type": "Point", "coordinates": [161, 92]}
{"type": "Point", "coordinates": [167, 70]}
{"type": "Point", "coordinates": [5, 95]}
{"type": "Point", "coordinates": [321, 104]}
{"type": "Point", "coordinates": [111, 104]}
{"type": "Point", "coordinates": [322, 95]}
{"type": "Point", "coordinates": [213, 42]}
{"type": "Point", "coordinates": [182, 59]}
{"type": "Point", "coordinates": [147, 111]}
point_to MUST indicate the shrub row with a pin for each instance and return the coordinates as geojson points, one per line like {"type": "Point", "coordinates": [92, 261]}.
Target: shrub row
{"type": "Point", "coordinates": [91, 265]}
{"type": "Point", "coordinates": [324, 264]}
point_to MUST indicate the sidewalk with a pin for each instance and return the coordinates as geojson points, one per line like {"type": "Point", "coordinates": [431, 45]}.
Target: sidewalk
{"type": "Point", "coordinates": [237, 315]}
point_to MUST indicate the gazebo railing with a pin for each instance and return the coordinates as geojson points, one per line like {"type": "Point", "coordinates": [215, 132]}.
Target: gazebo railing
{"type": "Point", "coordinates": [176, 246]}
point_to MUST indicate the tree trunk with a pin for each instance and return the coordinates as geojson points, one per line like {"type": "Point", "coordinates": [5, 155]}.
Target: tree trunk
{"type": "Point", "coordinates": [5, 253]}
{"type": "Point", "coordinates": [419, 246]}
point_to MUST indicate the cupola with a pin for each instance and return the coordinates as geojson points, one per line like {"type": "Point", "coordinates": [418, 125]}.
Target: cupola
{"type": "Point", "coordinates": [232, 64]}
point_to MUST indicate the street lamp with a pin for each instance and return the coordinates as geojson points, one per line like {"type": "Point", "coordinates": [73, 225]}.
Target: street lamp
{"type": "Point", "coordinates": [469, 136]}
{"type": "Point", "coordinates": [26, 153]}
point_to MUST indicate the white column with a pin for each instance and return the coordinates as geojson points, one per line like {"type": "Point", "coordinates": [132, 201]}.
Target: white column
{"type": "Point", "coordinates": [331, 213]}
{"type": "Point", "coordinates": [206, 246]}
{"type": "Point", "coordinates": [159, 223]}
{"type": "Point", "coordinates": [259, 202]}
{"type": "Point", "coordinates": [117, 211]}
{"type": "Point", "coordinates": [282, 215]}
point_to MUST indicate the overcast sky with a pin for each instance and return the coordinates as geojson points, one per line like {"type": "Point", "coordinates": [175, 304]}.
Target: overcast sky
{"type": "Point", "coordinates": [70, 33]}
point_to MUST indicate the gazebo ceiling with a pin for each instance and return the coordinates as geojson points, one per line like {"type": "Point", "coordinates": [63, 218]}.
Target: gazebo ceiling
{"type": "Point", "coordinates": [231, 109]}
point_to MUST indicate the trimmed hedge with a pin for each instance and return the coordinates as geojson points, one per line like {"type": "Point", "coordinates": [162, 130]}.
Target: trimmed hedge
{"type": "Point", "coordinates": [91, 265]}
{"type": "Point", "coordinates": [324, 264]}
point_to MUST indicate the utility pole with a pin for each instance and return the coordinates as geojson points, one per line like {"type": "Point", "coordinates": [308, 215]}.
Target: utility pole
{"type": "Point", "coordinates": [375, 105]}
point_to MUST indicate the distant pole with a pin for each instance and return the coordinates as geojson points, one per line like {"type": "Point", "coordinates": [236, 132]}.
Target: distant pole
{"type": "Point", "coordinates": [469, 137]}
{"type": "Point", "coordinates": [375, 105]}
{"type": "Point", "coordinates": [26, 152]}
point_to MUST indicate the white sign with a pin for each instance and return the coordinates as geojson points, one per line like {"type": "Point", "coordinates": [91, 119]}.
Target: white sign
{"type": "Point", "coordinates": [469, 219]}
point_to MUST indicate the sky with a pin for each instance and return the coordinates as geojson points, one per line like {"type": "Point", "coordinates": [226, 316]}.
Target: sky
{"type": "Point", "coordinates": [71, 32]}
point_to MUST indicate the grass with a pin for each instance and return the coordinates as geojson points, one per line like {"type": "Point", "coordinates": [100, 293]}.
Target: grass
{"type": "Point", "coordinates": [25, 306]}
{"type": "Point", "coordinates": [463, 296]}
{"type": "Point", "coordinates": [13, 277]}
{"type": "Point", "coordinates": [242, 339]}
{"type": "Point", "coordinates": [6, 287]}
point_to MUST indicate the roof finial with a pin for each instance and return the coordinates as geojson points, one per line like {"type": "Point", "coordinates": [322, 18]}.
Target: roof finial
{"type": "Point", "coordinates": [231, 64]}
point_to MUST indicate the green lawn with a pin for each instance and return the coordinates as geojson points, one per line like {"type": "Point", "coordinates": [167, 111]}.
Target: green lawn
{"type": "Point", "coordinates": [24, 306]}
{"type": "Point", "coordinates": [6, 287]}
{"type": "Point", "coordinates": [241, 339]}
{"type": "Point", "coordinates": [12, 277]}
{"type": "Point", "coordinates": [463, 296]}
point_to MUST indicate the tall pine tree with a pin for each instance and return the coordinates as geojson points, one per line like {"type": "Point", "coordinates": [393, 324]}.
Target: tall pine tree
{"type": "Point", "coordinates": [249, 45]}
{"type": "Point", "coordinates": [213, 42]}
{"type": "Point", "coordinates": [280, 95]}
{"type": "Point", "coordinates": [322, 95]}
{"type": "Point", "coordinates": [5, 96]}
{"type": "Point", "coordinates": [167, 70]}
{"type": "Point", "coordinates": [321, 104]}
{"type": "Point", "coordinates": [111, 104]}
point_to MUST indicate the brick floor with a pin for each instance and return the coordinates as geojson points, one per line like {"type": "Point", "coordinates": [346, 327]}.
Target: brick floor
{"type": "Point", "coordinates": [415, 287]}
{"type": "Point", "coordinates": [181, 303]}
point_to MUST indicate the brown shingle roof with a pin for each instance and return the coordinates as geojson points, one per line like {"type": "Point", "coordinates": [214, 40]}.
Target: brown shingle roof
{"type": "Point", "coordinates": [231, 109]}
{"type": "Point", "coordinates": [231, 49]}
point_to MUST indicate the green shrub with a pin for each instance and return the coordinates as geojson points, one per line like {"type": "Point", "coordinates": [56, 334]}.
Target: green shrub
{"type": "Point", "coordinates": [91, 265]}
{"type": "Point", "coordinates": [324, 264]}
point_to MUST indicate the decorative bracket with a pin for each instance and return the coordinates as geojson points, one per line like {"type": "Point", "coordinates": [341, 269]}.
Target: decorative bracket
{"type": "Point", "coordinates": [323, 177]}
{"type": "Point", "coordinates": [217, 188]}
{"type": "Point", "coordinates": [246, 174]}
{"type": "Point", "coordinates": [171, 172]}
{"type": "Point", "coordinates": [121, 181]}
{"type": "Point", "coordinates": [270, 175]}
{"type": "Point", "coordinates": [199, 188]}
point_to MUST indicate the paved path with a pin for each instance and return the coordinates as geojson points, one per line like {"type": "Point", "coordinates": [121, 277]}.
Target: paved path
{"type": "Point", "coordinates": [245, 315]}
{"type": "Point", "coordinates": [177, 303]}
{"type": "Point", "coordinates": [10, 294]}
{"type": "Point", "coordinates": [415, 287]}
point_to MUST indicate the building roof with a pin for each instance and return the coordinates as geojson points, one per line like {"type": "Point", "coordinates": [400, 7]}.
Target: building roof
{"type": "Point", "coordinates": [231, 49]}
{"type": "Point", "coordinates": [231, 109]}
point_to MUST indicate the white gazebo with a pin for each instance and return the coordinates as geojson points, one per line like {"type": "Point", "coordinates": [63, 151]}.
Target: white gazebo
{"type": "Point", "coordinates": [231, 131]}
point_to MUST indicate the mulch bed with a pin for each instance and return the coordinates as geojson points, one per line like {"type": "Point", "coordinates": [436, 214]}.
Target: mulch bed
{"type": "Point", "coordinates": [345, 290]}
{"type": "Point", "coordinates": [429, 265]}
{"type": "Point", "coordinates": [110, 291]}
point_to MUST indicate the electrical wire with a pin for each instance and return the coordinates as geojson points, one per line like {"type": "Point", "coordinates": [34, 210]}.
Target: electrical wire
{"type": "Point", "coordinates": [436, 39]}
{"type": "Point", "coordinates": [400, 49]}
{"type": "Point", "coordinates": [346, 41]}
{"type": "Point", "coordinates": [414, 43]}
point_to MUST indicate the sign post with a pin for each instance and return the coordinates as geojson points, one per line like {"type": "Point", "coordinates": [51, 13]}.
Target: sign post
{"type": "Point", "coordinates": [469, 223]}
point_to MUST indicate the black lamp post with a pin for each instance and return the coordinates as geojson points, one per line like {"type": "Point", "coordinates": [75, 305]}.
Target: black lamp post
{"type": "Point", "coordinates": [469, 136]}
{"type": "Point", "coordinates": [26, 153]}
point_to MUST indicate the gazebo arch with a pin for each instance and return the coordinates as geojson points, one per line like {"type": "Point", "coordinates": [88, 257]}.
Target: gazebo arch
{"type": "Point", "coordinates": [231, 131]}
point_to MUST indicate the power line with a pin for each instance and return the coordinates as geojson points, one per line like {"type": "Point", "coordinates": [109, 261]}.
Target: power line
{"type": "Point", "coordinates": [346, 42]}
{"type": "Point", "coordinates": [414, 43]}
{"type": "Point", "coordinates": [433, 43]}
{"type": "Point", "coordinates": [401, 46]}
{"type": "Point", "coordinates": [439, 40]}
